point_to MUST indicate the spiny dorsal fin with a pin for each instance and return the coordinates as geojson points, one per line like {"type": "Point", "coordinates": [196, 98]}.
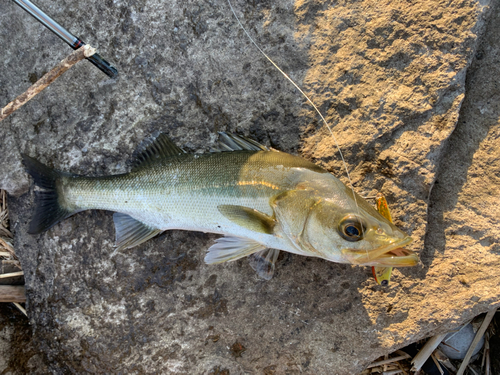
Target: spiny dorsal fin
{"type": "Point", "coordinates": [160, 148]}
{"type": "Point", "coordinates": [233, 142]}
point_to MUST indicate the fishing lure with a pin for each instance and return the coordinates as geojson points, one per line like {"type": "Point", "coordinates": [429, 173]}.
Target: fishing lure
{"type": "Point", "coordinates": [382, 275]}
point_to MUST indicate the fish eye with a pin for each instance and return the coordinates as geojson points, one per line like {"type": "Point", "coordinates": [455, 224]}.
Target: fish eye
{"type": "Point", "coordinates": [351, 228]}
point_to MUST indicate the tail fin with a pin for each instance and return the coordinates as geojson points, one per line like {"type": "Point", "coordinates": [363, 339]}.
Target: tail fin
{"type": "Point", "coordinates": [48, 211]}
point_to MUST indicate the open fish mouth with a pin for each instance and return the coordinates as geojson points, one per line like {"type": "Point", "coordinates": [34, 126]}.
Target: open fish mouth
{"type": "Point", "coordinates": [392, 255]}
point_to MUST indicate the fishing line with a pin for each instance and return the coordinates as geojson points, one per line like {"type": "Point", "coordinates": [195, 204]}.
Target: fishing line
{"type": "Point", "coordinates": [305, 96]}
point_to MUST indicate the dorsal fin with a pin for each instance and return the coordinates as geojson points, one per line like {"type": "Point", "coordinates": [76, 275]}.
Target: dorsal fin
{"type": "Point", "coordinates": [159, 148]}
{"type": "Point", "coordinates": [233, 142]}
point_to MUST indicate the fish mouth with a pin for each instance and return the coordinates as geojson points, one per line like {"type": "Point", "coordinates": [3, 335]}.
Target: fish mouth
{"type": "Point", "coordinates": [392, 255]}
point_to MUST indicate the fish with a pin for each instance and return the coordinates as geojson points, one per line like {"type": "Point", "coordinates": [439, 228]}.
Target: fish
{"type": "Point", "coordinates": [261, 200]}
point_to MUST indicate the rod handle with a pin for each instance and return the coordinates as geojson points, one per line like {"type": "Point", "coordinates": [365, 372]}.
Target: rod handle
{"type": "Point", "coordinates": [103, 65]}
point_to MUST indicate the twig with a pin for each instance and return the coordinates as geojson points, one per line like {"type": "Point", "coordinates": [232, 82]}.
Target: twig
{"type": "Point", "coordinates": [47, 79]}
{"type": "Point", "coordinates": [20, 308]}
{"type": "Point", "coordinates": [487, 319]}
{"type": "Point", "coordinates": [424, 353]}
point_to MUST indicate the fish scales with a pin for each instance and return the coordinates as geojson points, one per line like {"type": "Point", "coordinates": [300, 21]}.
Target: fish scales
{"type": "Point", "coordinates": [243, 176]}
{"type": "Point", "coordinates": [184, 192]}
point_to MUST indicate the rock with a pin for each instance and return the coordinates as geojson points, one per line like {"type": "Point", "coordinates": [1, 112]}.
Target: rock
{"type": "Point", "coordinates": [409, 94]}
{"type": "Point", "coordinates": [18, 353]}
{"type": "Point", "coordinates": [456, 344]}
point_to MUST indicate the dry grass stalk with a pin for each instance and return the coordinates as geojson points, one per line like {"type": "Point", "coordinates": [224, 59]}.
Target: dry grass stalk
{"type": "Point", "coordinates": [424, 353]}
{"type": "Point", "coordinates": [486, 350]}
{"type": "Point", "coordinates": [77, 55]}
{"type": "Point", "coordinates": [12, 293]}
{"type": "Point", "coordinates": [487, 370]}
{"type": "Point", "coordinates": [11, 274]}
{"type": "Point", "coordinates": [9, 293]}
{"type": "Point", "coordinates": [20, 308]}
{"type": "Point", "coordinates": [486, 322]}
{"type": "Point", "coordinates": [389, 365]}
{"type": "Point", "coordinates": [393, 372]}
{"type": "Point", "coordinates": [5, 244]}
{"type": "Point", "coordinates": [389, 360]}
{"type": "Point", "coordinates": [4, 216]}
{"type": "Point", "coordinates": [438, 365]}
{"type": "Point", "coordinates": [444, 360]}
{"type": "Point", "coordinates": [402, 368]}
{"type": "Point", "coordinates": [6, 248]}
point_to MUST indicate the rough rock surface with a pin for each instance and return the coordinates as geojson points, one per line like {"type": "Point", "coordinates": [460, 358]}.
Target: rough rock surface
{"type": "Point", "coordinates": [391, 77]}
{"type": "Point", "coordinates": [18, 351]}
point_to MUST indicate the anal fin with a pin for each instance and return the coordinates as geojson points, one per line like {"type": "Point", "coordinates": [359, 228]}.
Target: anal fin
{"type": "Point", "coordinates": [229, 248]}
{"type": "Point", "coordinates": [131, 232]}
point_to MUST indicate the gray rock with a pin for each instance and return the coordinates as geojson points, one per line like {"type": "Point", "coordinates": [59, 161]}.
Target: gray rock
{"type": "Point", "coordinates": [18, 352]}
{"type": "Point", "coordinates": [391, 81]}
{"type": "Point", "coordinates": [456, 344]}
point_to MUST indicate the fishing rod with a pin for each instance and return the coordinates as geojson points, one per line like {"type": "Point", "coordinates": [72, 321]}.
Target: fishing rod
{"type": "Point", "coordinates": [65, 35]}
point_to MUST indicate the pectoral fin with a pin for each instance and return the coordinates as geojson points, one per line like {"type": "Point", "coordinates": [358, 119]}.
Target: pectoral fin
{"type": "Point", "coordinates": [131, 232]}
{"type": "Point", "coordinates": [264, 262]}
{"type": "Point", "coordinates": [231, 248]}
{"type": "Point", "coordinates": [248, 218]}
